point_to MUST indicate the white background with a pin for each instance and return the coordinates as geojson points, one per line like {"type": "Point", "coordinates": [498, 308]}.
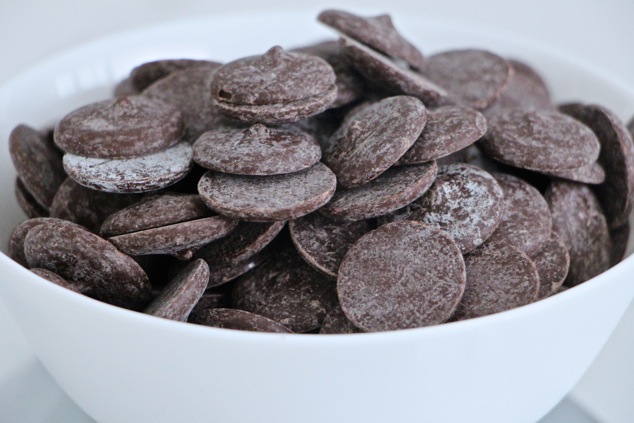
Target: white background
{"type": "Point", "coordinates": [597, 31]}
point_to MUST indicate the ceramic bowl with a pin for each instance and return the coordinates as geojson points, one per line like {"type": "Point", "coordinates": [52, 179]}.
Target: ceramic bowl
{"type": "Point", "coordinates": [123, 366]}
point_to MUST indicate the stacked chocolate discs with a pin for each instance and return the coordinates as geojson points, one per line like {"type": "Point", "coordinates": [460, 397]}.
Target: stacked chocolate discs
{"type": "Point", "coordinates": [343, 187]}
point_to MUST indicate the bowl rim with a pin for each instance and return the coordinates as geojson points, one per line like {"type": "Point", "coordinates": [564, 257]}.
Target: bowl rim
{"type": "Point", "coordinates": [445, 329]}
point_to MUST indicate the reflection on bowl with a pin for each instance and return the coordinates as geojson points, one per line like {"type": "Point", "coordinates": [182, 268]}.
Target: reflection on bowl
{"type": "Point", "coordinates": [124, 366]}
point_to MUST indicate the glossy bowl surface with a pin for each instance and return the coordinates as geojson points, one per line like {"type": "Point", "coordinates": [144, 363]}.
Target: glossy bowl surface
{"type": "Point", "coordinates": [122, 366]}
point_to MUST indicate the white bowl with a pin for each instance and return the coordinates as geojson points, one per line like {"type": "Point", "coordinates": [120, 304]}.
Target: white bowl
{"type": "Point", "coordinates": [122, 366]}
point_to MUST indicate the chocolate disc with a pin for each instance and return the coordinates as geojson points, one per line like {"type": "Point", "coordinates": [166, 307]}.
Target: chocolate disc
{"type": "Point", "coordinates": [395, 188]}
{"type": "Point", "coordinates": [336, 322]}
{"type": "Point", "coordinates": [474, 78]}
{"type": "Point", "coordinates": [540, 141]}
{"type": "Point", "coordinates": [256, 150]}
{"type": "Point", "coordinates": [620, 238]}
{"type": "Point", "coordinates": [448, 129]}
{"type": "Point", "coordinates": [87, 207]}
{"type": "Point", "coordinates": [465, 201]}
{"type": "Point", "coordinates": [552, 263]}
{"type": "Point", "coordinates": [242, 243]}
{"type": "Point", "coordinates": [401, 275]}
{"type": "Point", "coordinates": [121, 128]}
{"type": "Point", "coordinates": [27, 202]}
{"type": "Point", "coordinates": [288, 291]}
{"type": "Point", "coordinates": [84, 258]}
{"type": "Point", "coordinates": [188, 91]}
{"type": "Point", "coordinates": [323, 242]}
{"type": "Point", "coordinates": [268, 198]}
{"type": "Point", "coordinates": [148, 73]}
{"type": "Point", "coordinates": [155, 211]}
{"type": "Point", "coordinates": [38, 163]}
{"type": "Point", "coordinates": [179, 297]}
{"type": "Point", "coordinates": [174, 238]}
{"type": "Point", "coordinates": [228, 318]}
{"type": "Point", "coordinates": [377, 32]}
{"type": "Point", "coordinates": [385, 73]}
{"type": "Point", "coordinates": [18, 235]}
{"type": "Point", "coordinates": [57, 279]}
{"type": "Point", "coordinates": [579, 221]}
{"type": "Point", "coordinates": [617, 157]}
{"type": "Point", "coordinates": [592, 174]}
{"type": "Point", "coordinates": [367, 144]}
{"type": "Point", "coordinates": [526, 221]}
{"type": "Point", "coordinates": [499, 278]}
{"type": "Point", "coordinates": [135, 175]}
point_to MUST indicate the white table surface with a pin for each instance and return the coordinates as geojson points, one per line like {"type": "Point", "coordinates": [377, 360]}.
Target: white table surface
{"type": "Point", "coordinates": [599, 31]}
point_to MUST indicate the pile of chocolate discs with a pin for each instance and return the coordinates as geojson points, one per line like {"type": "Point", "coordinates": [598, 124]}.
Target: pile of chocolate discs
{"type": "Point", "coordinates": [347, 186]}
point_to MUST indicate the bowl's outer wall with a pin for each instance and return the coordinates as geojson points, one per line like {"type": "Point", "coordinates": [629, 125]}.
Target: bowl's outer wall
{"type": "Point", "coordinates": [122, 366]}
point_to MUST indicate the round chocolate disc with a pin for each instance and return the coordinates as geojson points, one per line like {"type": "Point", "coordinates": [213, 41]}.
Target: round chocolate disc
{"type": "Point", "coordinates": [256, 150]}
{"type": "Point", "coordinates": [229, 318]}
{"type": "Point", "coordinates": [540, 141]}
{"type": "Point", "coordinates": [552, 263]}
{"type": "Point", "coordinates": [374, 138]}
{"type": "Point", "coordinates": [579, 221]}
{"type": "Point", "coordinates": [288, 291]}
{"type": "Point", "coordinates": [526, 221]}
{"type": "Point", "coordinates": [472, 77]}
{"type": "Point", "coordinates": [84, 258]}
{"type": "Point", "coordinates": [499, 277]}
{"type": "Point", "coordinates": [401, 275]}
{"type": "Point", "coordinates": [616, 194]}
{"type": "Point", "coordinates": [448, 129]}
{"type": "Point", "coordinates": [323, 242]}
{"type": "Point", "coordinates": [179, 297]}
{"type": "Point", "coordinates": [121, 128]}
{"type": "Point", "coordinates": [18, 235]}
{"type": "Point", "coordinates": [268, 198]}
{"type": "Point", "coordinates": [134, 175]}
{"type": "Point", "coordinates": [395, 188]}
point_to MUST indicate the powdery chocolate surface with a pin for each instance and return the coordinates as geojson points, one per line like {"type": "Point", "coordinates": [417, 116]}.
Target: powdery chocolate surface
{"type": "Point", "coordinates": [246, 240]}
{"type": "Point", "coordinates": [389, 75]}
{"type": "Point", "coordinates": [526, 221]}
{"type": "Point", "coordinates": [401, 275]}
{"type": "Point", "coordinates": [323, 242]}
{"type": "Point", "coordinates": [395, 188]}
{"type": "Point", "coordinates": [229, 318]}
{"type": "Point", "coordinates": [133, 175]}
{"type": "Point", "coordinates": [579, 221]}
{"type": "Point", "coordinates": [179, 297]}
{"type": "Point", "coordinates": [256, 150]}
{"type": "Point", "coordinates": [472, 77]}
{"type": "Point", "coordinates": [448, 129]}
{"type": "Point", "coordinates": [268, 198]}
{"type": "Point", "coordinates": [174, 238]}
{"type": "Point", "coordinates": [287, 290]}
{"type": "Point", "coordinates": [85, 259]}
{"type": "Point", "coordinates": [592, 174]}
{"type": "Point", "coordinates": [465, 201]}
{"type": "Point", "coordinates": [336, 322]}
{"type": "Point", "coordinates": [87, 207]}
{"type": "Point", "coordinates": [155, 211]}
{"type": "Point", "coordinates": [552, 262]}
{"type": "Point", "coordinates": [540, 141]}
{"type": "Point", "coordinates": [120, 128]}
{"type": "Point", "coordinates": [38, 164]}
{"type": "Point", "coordinates": [374, 138]}
{"type": "Point", "coordinates": [377, 32]}
{"type": "Point", "coordinates": [18, 235]}
{"type": "Point", "coordinates": [617, 157]}
{"type": "Point", "coordinates": [57, 280]}
{"type": "Point", "coordinates": [499, 278]}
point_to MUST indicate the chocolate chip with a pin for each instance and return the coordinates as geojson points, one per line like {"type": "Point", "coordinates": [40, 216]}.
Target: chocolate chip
{"type": "Point", "coordinates": [374, 138]}
{"type": "Point", "coordinates": [499, 277]}
{"type": "Point", "coordinates": [268, 198]}
{"type": "Point", "coordinates": [228, 318]}
{"type": "Point", "coordinates": [579, 221]}
{"type": "Point", "coordinates": [526, 221]}
{"type": "Point", "coordinates": [179, 297]}
{"type": "Point", "coordinates": [448, 130]}
{"type": "Point", "coordinates": [288, 291]}
{"type": "Point", "coordinates": [401, 275]}
{"type": "Point", "coordinates": [256, 150]}
{"type": "Point", "coordinates": [395, 188]}
{"type": "Point", "coordinates": [84, 258]}
{"type": "Point", "coordinates": [552, 262]}
{"type": "Point", "coordinates": [323, 242]}
{"type": "Point", "coordinates": [18, 235]}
